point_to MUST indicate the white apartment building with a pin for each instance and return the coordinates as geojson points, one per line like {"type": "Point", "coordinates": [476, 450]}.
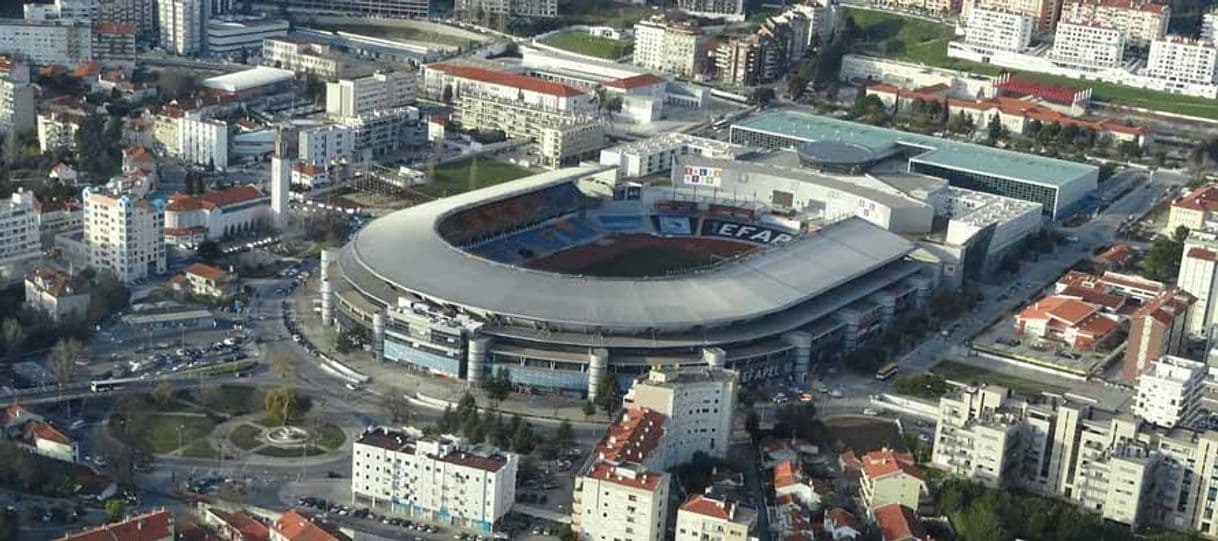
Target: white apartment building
{"type": "Point", "coordinates": [668, 46]}
{"type": "Point", "coordinates": [1087, 46]}
{"type": "Point", "coordinates": [496, 10]}
{"type": "Point", "coordinates": [16, 96]}
{"type": "Point", "coordinates": [326, 144]}
{"type": "Point", "coordinates": [999, 29]}
{"type": "Point", "coordinates": [975, 434]}
{"type": "Point", "coordinates": [363, 95]}
{"type": "Point", "coordinates": [1142, 22]}
{"type": "Point", "coordinates": [438, 479]}
{"type": "Point", "coordinates": [1199, 278]}
{"type": "Point", "coordinates": [622, 501]}
{"type": "Point", "coordinates": [182, 25]}
{"type": "Point", "coordinates": [19, 240]}
{"type": "Point", "coordinates": [65, 43]}
{"type": "Point", "coordinates": [232, 36]}
{"type": "Point", "coordinates": [657, 154]}
{"type": "Point", "coordinates": [85, 11]}
{"type": "Point", "coordinates": [203, 141]}
{"type": "Point", "coordinates": [51, 292]}
{"type": "Point", "coordinates": [1169, 391]}
{"type": "Point", "coordinates": [1178, 60]}
{"type": "Point", "coordinates": [1209, 26]}
{"type": "Point", "coordinates": [1043, 12]}
{"type": "Point", "coordinates": [303, 56]}
{"type": "Point", "coordinates": [707, 517]}
{"type": "Point", "coordinates": [124, 235]}
{"type": "Point", "coordinates": [699, 404]}
{"type": "Point", "coordinates": [380, 132]}
{"type": "Point", "coordinates": [714, 9]}
{"type": "Point", "coordinates": [457, 80]}
{"type": "Point", "coordinates": [57, 129]}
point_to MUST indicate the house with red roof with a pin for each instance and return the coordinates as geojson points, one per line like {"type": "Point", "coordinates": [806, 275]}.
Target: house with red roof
{"type": "Point", "coordinates": [234, 525]}
{"type": "Point", "coordinates": [841, 524]}
{"type": "Point", "coordinates": [297, 526]}
{"type": "Point", "coordinates": [33, 433]}
{"type": "Point", "coordinates": [54, 293]}
{"type": "Point", "coordinates": [1068, 321]}
{"type": "Point", "coordinates": [890, 477]}
{"type": "Point", "coordinates": [897, 522]}
{"type": "Point", "coordinates": [1195, 210]}
{"type": "Point", "coordinates": [711, 513]}
{"type": "Point", "coordinates": [231, 212]}
{"type": "Point", "coordinates": [64, 173]}
{"type": "Point", "coordinates": [152, 526]}
{"type": "Point", "coordinates": [207, 281]}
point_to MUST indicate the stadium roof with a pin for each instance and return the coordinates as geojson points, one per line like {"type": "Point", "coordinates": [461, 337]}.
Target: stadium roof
{"type": "Point", "coordinates": [405, 249]}
{"type": "Point", "coordinates": [952, 154]}
{"type": "Point", "coordinates": [250, 78]}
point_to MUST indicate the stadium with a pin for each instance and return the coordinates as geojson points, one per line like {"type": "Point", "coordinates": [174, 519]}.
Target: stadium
{"type": "Point", "coordinates": [569, 277]}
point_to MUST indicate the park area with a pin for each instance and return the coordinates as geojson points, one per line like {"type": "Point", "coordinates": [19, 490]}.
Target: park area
{"type": "Point", "coordinates": [469, 175]}
{"type": "Point", "coordinates": [586, 44]}
{"type": "Point", "coordinates": [925, 42]}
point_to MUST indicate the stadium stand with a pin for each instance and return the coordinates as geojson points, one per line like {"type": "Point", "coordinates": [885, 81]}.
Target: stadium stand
{"type": "Point", "coordinates": [477, 224]}
{"type": "Point", "coordinates": [623, 224]}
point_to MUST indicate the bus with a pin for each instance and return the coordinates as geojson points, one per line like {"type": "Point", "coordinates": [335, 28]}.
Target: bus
{"type": "Point", "coordinates": [886, 371]}
{"type": "Point", "coordinates": [100, 386]}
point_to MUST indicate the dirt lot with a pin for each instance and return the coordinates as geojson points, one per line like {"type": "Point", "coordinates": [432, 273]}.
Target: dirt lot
{"type": "Point", "coordinates": [864, 433]}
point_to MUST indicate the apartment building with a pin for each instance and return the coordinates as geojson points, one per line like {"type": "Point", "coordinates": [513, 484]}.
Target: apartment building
{"type": "Point", "coordinates": [1196, 211]}
{"type": "Point", "coordinates": [1209, 26]}
{"type": "Point", "coordinates": [326, 144]}
{"type": "Point", "coordinates": [1142, 22]}
{"type": "Point", "coordinates": [977, 435]}
{"type": "Point", "coordinates": [63, 43]}
{"type": "Point", "coordinates": [750, 60]}
{"type": "Point", "coordinates": [363, 95]}
{"type": "Point", "coordinates": [398, 9]}
{"type": "Point", "coordinates": [699, 404]}
{"type": "Point", "coordinates": [439, 479]}
{"type": "Point", "coordinates": [483, 11]}
{"type": "Point", "coordinates": [151, 526]}
{"type": "Point", "coordinates": [141, 13]}
{"type": "Point", "coordinates": [1183, 61]}
{"type": "Point", "coordinates": [1199, 277]}
{"type": "Point", "coordinates": [380, 132]}
{"type": "Point", "coordinates": [307, 57]}
{"type": "Point", "coordinates": [124, 235]}
{"type": "Point", "coordinates": [114, 42]}
{"type": "Point", "coordinates": [713, 9]}
{"type": "Point", "coordinates": [1044, 13]}
{"type": "Point", "coordinates": [670, 46]}
{"type": "Point", "coordinates": [20, 244]}
{"type": "Point", "coordinates": [16, 96]}
{"type": "Point", "coordinates": [1088, 46]}
{"type": "Point", "coordinates": [202, 141]}
{"type": "Point", "coordinates": [57, 128]}
{"type": "Point", "coordinates": [181, 25]}
{"type": "Point", "coordinates": [890, 477]}
{"type": "Point", "coordinates": [999, 29]}
{"type": "Point", "coordinates": [85, 11]}
{"type": "Point", "coordinates": [1158, 327]}
{"type": "Point", "coordinates": [622, 493]}
{"type": "Point", "coordinates": [52, 292]}
{"type": "Point", "coordinates": [1169, 391]}
{"type": "Point", "coordinates": [454, 80]}
{"type": "Point", "coordinates": [711, 517]}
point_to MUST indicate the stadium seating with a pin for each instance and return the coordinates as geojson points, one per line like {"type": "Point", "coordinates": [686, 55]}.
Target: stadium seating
{"type": "Point", "coordinates": [576, 230]}
{"type": "Point", "coordinates": [493, 219]}
{"type": "Point", "coordinates": [623, 224]}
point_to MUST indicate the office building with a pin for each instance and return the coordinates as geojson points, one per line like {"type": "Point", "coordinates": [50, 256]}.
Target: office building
{"type": "Point", "coordinates": [363, 95]}
{"type": "Point", "coordinates": [433, 478]}
{"type": "Point", "coordinates": [114, 42]}
{"type": "Point", "coordinates": [1158, 327]}
{"type": "Point", "coordinates": [63, 43]}
{"type": "Point", "coordinates": [124, 235]}
{"type": "Point", "coordinates": [235, 36]}
{"type": "Point", "coordinates": [16, 96]}
{"type": "Point", "coordinates": [1044, 13]}
{"type": "Point", "coordinates": [714, 9]}
{"type": "Point", "coordinates": [999, 29]}
{"type": "Point", "coordinates": [19, 241]}
{"type": "Point", "coordinates": [1088, 46]}
{"type": "Point", "coordinates": [1179, 60]}
{"type": "Point", "coordinates": [1141, 21]}
{"type": "Point", "coordinates": [1199, 277]}
{"type": "Point", "coordinates": [1169, 391]}
{"type": "Point", "coordinates": [181, 27]}
{"type": "Point", "coordinates": [711, 517]}
{"type": "Point", "coordinates": [501, 10]}
{"type": "Point", "coordinates": [670, 46]}
{"type": "Point", "coordinates": [699, 404]}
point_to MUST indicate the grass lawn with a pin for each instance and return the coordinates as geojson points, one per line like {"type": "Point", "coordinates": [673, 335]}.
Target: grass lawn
{"type": "Point", "coordinates": [468, 175]}
{"type": "Point", "coordinates": [967, 373]}
{"type": "Point", "coordinates": [331, 437]}
{"type": "Point", "coordinates": [583, 43]}
{"type": "Point", "coordinates": [278, 452]}
{"type": "Point", "coordinates": [603, 13]}
{"type": "Point", "coordinates": [200, 449]}
{"type": "Point", "coordinates": [161, 434]}
{"type": "Point", "coordinates": [246, 437]}
{"type": "Point", "coordinates": [916, 40]}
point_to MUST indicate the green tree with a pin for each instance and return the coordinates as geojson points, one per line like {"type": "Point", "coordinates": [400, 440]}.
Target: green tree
{"type": "Point", "coordinates": [996, 131]}
{"type": "Point", "coordinates": [163, 393]}
{"type": "Point", "coordinates": [280, 404]}
{"type": "Point", "coordinates": [606, 394]}
{"type": "Point", "coordinates": [13, 336]}
{"type": "Point", "coordinates": [498, 385]}
{"type": "Point", "coordinates": [564, 436]}
{"type": "Point", "coordinates": [589, 409]}
{"type": "Point", "coordinates": [522, 437]}
{"type": "Point", "coordinates": [209, 251]}
{"type": "Point", "coordinates": [114, 509]}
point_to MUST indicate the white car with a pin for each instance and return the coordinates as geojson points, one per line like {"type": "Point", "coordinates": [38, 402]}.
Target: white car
{"type": "Point", "coordinates": [870, 411]}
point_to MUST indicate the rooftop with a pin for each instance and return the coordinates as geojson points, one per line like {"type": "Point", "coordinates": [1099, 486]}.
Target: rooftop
{"type": "Point", "coordinates": [966, 156]}
{"type": "Point", "coordinates": [248, 79]}
{"type": "Point", "coordinates": [503, 78]}
{"type": "Point", "coordinates": [1204, 198]}
{"type": "Point", "coordinates": [897, 523]}
{"type": "Point", "coordinates": [627, 474]}
{"type": "Point", "coordinates": [207, 272]}
{"type": "Point", "coordinates": [633, 437]}
{"type": "Point", "coordinates": [152, 526]}
{"type": "Point", "coordinates": [720, 508]}
{"type": "Point", "coordinates": [297, 526]}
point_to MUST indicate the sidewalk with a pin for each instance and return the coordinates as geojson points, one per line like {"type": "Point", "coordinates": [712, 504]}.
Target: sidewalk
{"type": "Point", "coordinates": [388, 377]}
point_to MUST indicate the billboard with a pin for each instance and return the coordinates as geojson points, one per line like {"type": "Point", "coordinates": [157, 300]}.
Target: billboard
{"type": "Point", "coordinates": [756, 233]}
{"type": "Point", "coordinates": [702, 176]}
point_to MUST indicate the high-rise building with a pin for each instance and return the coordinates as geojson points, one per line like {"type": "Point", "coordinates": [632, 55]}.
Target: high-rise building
{"type": "Point", "coordinates": [363, 95]}
{"type": "Point", "coordinates": [669, 46]}
{"type": "Point", "coordinates": [1199, 278]}
{"type": "Point", "coordinates": [181, 25]}
{"type": "Point", "coordinates": [1158, 327]}
{"type": "Point", "coordinates": [16, 96]}
{"type": "Point", "coordinates": [622, 493]}
{"type": "Point", "coordinates": [1183, 61]}
{"type": "Point", "coordinates": [124, 235]}
{"type": "Point", "coordinates": [1142, 22]}
{"type": "Point", "coordinates": [64, 43]}
{"type": "Point", "coordinates": [1088, 46]}
{"type": "Point", "coordinates": [699, 404]}
{"type": "Point", "coordinates": [999, 29]}
{"type": "Point", "coordinates": [20, 244]}
{"type": "Point", "coordinates": [731, 9]}
{"type": "Point", "coordinates": [83, 11]}
{"type": "Point", "coordinates": [114, 42]}
{"type": "Point", "coordinates": [1169, 391]}
{"type": "Point", "coordinates": [433, 478]}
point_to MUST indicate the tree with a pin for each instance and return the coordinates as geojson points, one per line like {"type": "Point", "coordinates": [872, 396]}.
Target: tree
{"type": "Point", "coordinates": [498, 385]}
{"type": "Point", "coordinates": [606, 394]}
{"type": "Point", "coordinates": [1163, 260]}
{"type": "Point", "coordinates": [62, 362]}
{"type": "Point", "coordinates": [209, 251]}
{"type": "Point", "coordinates": [114, 509]}
{"type": "Point", "coordinates": [282, 365]}
{"type": "Point", "coordinates": [344, 342]}
{"type": "Point", "coordinates": [396, 407]}
{"type": "Point", "coordinates": [564, 436]}
{"type": "Point", "coordinates": [996, 131]}
{"type": "Point", "coordinates": [163, 393]}
{"type": "Point", "coordinates": [472, 427]}
{"type": "Point", "coordinates": [13, 336]}
{"type": "Point", "coordinates": [762, 96]}
{"type": "Point", "coordinates": [522, 436]}
{"type": "Point", "coordinates": [280, 404]}
{"type": "Point", "coordinates": [589, 409]}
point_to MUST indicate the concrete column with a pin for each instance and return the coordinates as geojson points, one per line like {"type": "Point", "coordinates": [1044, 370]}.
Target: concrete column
{"type": "Point", "coordinates": [475, 359]}
{"type": "Point", "coordinates": [378, 336]}
{"type": "Point", "coordinates": [801, 342]}
{"type": "Point", "coordinates": [715, 358]}
{"type": "Point", "coordinates": [598, 363]}
{"type": "Point", "coordinates": [327, 292]}
{"type": "Point", "coordinates": [281, 177]}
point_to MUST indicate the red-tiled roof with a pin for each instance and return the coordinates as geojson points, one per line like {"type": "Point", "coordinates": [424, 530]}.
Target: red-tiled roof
{"type": "Point", "coordinates": [485, 463]}
{"type": "Point", "coordinates": [250, 529]}
{"type": "Point", "coordinates": [138, 153]}
{"type": "Point", "coordinates": [211, 200]}
{"type": "Point", "coordinates": [608, 472]}
{"type": "Point", "coordinates": [114, 28]}
{"type": "Point", "coordinates": [1203, 198]}
{"type": "Point", "coordinates": [296, 526]}
{"type": "Point", "coordinates": [54, 282]}
{"type": "Point", "coordinates": [633, 437]}
{"type": "Point", "coordinates": [709, 507]}
{"type": "Point", "coordinates": [878, 464]}
{"type": "Point", "coordinates": [897, 523]}
{"type": "Point", "coordinates": [630, 83]}
{"type": "Point", "coordinates": [786, 473]}
{"type": "Point", "coordinates": [1166, 306]}
{"type": "Point", "coordinates": [208, 272]}
{"type": "Point", "coordinates": [308, 169]}
{"type": "Point", "coordinates": [43, 431]}
{"type": "Point", "coordinates": [532, 84]}
{"type": "Point", "coordinates": [1072, 311]}
{"type": "Point", "coordinates": [843, 518]}
{"type": "Point", "coordinates": [153, 526]}
{"type": "Point", "coordinates": [1118, 254]}
{"type": "Point", "coordinates": [1202, 253]}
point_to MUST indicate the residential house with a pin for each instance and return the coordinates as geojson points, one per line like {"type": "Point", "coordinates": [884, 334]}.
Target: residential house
{"type": "Point", "coordinates": [890, 477]}
{"type": "Point", "coordinates": [842, 524]}
{"type": "Point", "coordinates": [53, 293]}
{"type": "Point", "coordinates": [151, 526]}
{"type": "Point", "coordinates": [897, 522]}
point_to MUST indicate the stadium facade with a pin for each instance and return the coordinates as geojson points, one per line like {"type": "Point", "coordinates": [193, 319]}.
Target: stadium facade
{"type": "Point", "coordinates": [480, 282]}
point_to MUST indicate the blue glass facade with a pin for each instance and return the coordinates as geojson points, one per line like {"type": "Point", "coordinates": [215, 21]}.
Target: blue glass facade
{"type": "Point", "coordinates": [398, 352]}
{"type": "Point", "coordinates": [541, 377]}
